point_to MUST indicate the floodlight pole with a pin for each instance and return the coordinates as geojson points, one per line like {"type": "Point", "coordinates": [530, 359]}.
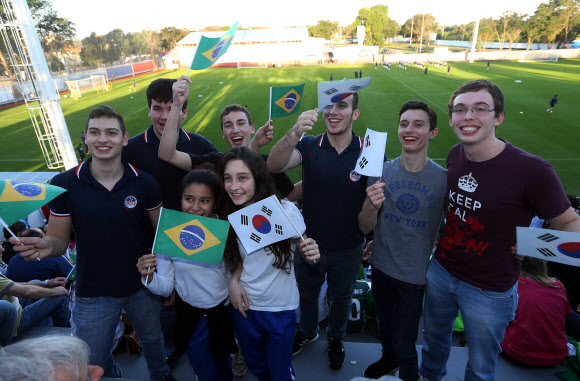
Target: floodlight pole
{"type": "Point", "coordinates": [411, 38]}
{"type": "Point", "coordinates": [474, 42]}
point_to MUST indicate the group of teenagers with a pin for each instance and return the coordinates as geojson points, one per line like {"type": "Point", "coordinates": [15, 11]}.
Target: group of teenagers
{"type": "Point", "coordinates": [113, 201]}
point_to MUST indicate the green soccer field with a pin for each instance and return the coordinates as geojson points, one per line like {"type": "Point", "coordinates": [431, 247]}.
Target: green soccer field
{"type": "Point", "coordinates": [555, 136]}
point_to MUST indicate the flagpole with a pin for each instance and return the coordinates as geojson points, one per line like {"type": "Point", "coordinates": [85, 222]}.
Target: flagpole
{"type": "Point", "coordinates": [270, 107]}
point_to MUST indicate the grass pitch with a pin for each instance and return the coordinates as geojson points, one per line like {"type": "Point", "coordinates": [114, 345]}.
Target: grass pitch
{"type": "Point", "coordinates": [555, 137]}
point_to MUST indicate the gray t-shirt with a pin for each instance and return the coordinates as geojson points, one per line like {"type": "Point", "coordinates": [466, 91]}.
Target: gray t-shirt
{"type": "Point", "coordinates": [408, 220]}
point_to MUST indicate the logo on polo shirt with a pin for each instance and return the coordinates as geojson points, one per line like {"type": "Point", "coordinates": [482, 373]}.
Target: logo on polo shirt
{"type": "Point", "coordinates": [354, 176]}
{"type": "Point", "coordinates": [130, 202]}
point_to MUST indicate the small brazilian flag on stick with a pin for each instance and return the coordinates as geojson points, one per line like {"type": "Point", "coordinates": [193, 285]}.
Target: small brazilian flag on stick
{"type": "Point", "coordinates": [191, 237]}
{"type": "Point", "coordinates": [285, 100]}
{"type": "Point", "coordinates": [18, 199]}
{"type": "Point", "coordinates": [209, 50]}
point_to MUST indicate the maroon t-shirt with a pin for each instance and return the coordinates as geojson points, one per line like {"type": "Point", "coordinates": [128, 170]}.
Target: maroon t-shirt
{"type": "Point", "coordinates": [487, 201]}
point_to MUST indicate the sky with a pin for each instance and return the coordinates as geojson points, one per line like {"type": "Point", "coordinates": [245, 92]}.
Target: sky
{"type": "Point", "coordinates": [105, 15]}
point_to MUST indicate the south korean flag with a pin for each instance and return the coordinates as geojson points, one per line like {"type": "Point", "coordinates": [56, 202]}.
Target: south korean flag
{"type": "Point", "coordinates": [370, 161]}
{"type": "Point", "coordinates": [262, 223]}
{"type": "Point", "coordinates": [551, 245]}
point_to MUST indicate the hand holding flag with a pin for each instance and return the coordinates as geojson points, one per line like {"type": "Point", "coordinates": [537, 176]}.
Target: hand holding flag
{"type": "Point", "coordinates": [305, 123]}
{"type": "Point", "coordinates": [370, 162]}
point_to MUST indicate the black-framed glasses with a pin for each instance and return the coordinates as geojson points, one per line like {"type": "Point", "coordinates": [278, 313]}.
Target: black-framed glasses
{"type": "Point", "coordinates": [476, 110]}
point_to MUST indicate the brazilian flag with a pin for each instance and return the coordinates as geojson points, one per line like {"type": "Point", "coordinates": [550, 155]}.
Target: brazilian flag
{"type": "Point", "coordinates": [285, 101]}
{"type": "Point", "coordinates": [187, 236]}
{"type": "Point", "coordinates": [72, 275]}
{"type": "Point", "coordinates": [18, 199]}
{"type": "Point", "coordinates": [210, 49]}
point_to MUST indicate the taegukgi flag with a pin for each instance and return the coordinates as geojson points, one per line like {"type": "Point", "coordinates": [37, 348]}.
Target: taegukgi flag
{"type": "Point", "coordinates": [209, 50]}
{"type": "Point", "coordinates": [370, 161]}
{"type": "Point", "coordinates": [551, 245]}
{"type": "Point", "coordinates": [332, 92]}
{"type": "Point", "coordinates": [285, 100]}
{"type": "Point", "coordinates": [18, 199]}
{"type": "Point", "coordinates": [261, 224]}
{"type": "Point", "coordinates": [191, 237]}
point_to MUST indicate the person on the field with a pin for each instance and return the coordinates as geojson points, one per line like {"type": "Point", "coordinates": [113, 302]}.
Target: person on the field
{"type": "Point", "coordinates": [553, 103]}
{"type": "Point", "coordinates": [493, 187]}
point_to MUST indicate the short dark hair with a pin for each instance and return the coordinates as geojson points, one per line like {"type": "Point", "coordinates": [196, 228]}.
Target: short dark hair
{"type": "Point", "coordinates": [161, 90]}
{"type": "Point", "coordinates": [104, 111]}
{"type": "Point", "coordinates": [354, 102]}
{"type": "Point", "coordinates": [420, 105]}
{"type": "Point", "coordinates": [481, 84]}
{"type": "Point", "coordinates": [17, 228]}
{"type": "Point", "coordinates": [32, 232]}
{"type": "Point", "coordinates": [234, 108]}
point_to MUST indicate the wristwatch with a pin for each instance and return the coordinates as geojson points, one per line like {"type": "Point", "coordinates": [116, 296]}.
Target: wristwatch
{"type": "Point", "coordinates": [46, 283]}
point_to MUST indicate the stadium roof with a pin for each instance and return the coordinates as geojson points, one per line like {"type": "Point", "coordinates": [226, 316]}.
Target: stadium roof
{"type": "Point", "coordinates": [251, 36]}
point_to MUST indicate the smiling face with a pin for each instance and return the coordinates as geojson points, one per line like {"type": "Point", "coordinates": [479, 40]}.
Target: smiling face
{"type": "Point", "coordinates": [414, 131]}
{"type": "Point", "coordinates": [198, 199]}
{"type": "Point", "coordinates": [339, 117]}
{"type": "Point", "coordinates": [239, 183]}
{"type": "Point", "coordinates": [236, 129]}
{"type": "Point", "coordinates": [159, 112]}
{"type": "Point", "coordinates": [475, 129]}
{"type": "Point", "coordinates": [105, 138]}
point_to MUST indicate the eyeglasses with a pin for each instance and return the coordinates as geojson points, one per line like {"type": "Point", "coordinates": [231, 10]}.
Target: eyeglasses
{"type": "Point", "coordinates": [476, 110]}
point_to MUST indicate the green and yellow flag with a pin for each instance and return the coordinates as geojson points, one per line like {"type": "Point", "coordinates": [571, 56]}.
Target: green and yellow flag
{"type": "Point", "coordinates": [285, 101]}
{"type": "Point", "coordinates": [18, 199]}
{"type": "Point", "coordinates": [209, 50]}
{"type": "Point", "coordinates": [72, 275]}
{"type": "Point", "coordinates": [191, 237]}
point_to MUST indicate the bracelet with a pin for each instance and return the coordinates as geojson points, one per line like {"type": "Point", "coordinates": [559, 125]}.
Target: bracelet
{"type": "Point", "coordinates": [46, 283]}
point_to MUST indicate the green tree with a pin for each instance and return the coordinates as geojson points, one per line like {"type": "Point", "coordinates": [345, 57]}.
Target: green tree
{"type": "Point", "coordinates": [568, 11]}
{"type": "Point", "coordinates": [376, 23]}
{"type": "Point", "coordinates": [170, 36]}
{"type": "Point", "coordinates": [324, 29]}
{"type": "Point", "coordinates": [486, 31]}
{"type": "Point", "coordinates": [429, 25]}
{"type": "Point", "coordinates": [115, 41]}
{"type": "Point", "coordinates": [94, 50]}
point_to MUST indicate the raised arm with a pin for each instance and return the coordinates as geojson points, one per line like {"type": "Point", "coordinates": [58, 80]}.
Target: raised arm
{"type": "Point", "coordinates": [367, 218]}
{"type": "Point", "coordinates": [263, 136]}
{"type": "Point", "coordinates": [167, 151]}
{"type": "Point", "coordinates": [282, 156]}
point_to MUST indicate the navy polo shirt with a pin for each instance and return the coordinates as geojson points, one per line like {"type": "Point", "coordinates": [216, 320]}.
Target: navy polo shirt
{"type": "Point", "coordinates": [142, 152]}
{"type": "Point", "coordinates": [333, 192]}
{"type": "Point", "coordinates": [20, 270]}
{"type": "Point", "coordinates": [109, 227]}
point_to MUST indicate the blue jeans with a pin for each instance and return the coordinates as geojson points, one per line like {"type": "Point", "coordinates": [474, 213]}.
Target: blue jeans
{"type": "Point", "coordinates": [341, 268]}
{"type": "Point", "coordinates": [398, 305]}
{"type": "Point", "coordinates": [485, 314]}
{"type": "Point", "coordinates": [8, 317]}
{"type": "Point", "coordinates": [55, 307]}
{"type": "Point", "coordinates": [96, 319]}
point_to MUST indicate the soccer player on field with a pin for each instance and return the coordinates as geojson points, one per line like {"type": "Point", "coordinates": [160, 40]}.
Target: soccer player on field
{"type": "Point", "coordinates": [493, 187]}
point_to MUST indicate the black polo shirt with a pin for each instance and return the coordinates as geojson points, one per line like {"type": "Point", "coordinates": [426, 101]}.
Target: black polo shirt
{"type": "Point", "coordinates": [142, 152]}
{"type": "Point", "coordinates": [333, 192]}
{"type": "Point", "coordinates": [108, 226]}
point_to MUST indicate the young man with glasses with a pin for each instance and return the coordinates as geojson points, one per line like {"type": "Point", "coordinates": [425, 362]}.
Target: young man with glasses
{"type": "Point", "coordinates": [493, 187]}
